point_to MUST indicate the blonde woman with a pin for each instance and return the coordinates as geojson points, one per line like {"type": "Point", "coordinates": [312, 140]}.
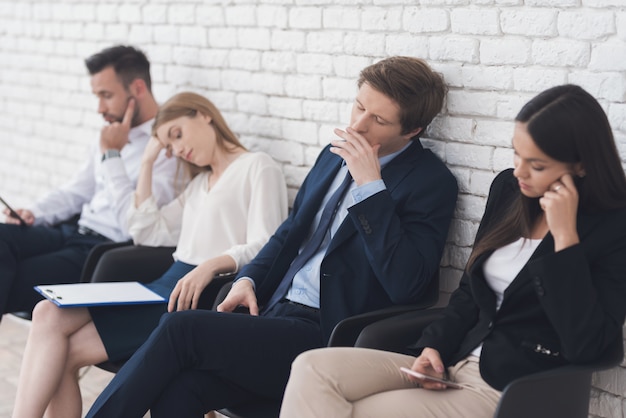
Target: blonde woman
{"type": "Point", "coordinates": [229, 209]}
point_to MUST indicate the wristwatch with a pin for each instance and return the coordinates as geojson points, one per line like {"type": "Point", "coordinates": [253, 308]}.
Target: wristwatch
{"type": "Point", "coordinates": [110, 153]}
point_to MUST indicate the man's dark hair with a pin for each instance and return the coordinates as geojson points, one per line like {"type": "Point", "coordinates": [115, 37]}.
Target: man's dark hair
{"type": "Point", "coordinates": [128, 62]}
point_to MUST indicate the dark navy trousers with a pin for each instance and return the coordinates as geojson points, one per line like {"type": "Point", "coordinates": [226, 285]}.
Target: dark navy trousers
{"type": "Point", "coordinates": [198, 361]}
{"type": "Point", "coordinates": [32, 255]}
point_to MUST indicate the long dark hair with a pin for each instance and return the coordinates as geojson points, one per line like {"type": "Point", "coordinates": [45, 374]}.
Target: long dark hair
{"type": "Point", "coordinates": [570, 126]}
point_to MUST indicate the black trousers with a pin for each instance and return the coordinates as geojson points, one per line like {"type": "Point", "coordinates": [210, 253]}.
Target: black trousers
{"type": "Point", "coordinates": [198, 361]}
{"type": "Point", "coordinates": [33, 255]}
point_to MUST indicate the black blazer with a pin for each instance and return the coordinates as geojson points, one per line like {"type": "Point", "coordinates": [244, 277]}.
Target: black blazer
{"type": "Point", "coordinates": [565, 307]}
{"type": "Point", "coordinates": [386, 250]}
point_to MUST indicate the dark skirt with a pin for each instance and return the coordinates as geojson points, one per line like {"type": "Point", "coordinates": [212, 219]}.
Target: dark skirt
{"type": "Point", "coordinates": [123, 328]}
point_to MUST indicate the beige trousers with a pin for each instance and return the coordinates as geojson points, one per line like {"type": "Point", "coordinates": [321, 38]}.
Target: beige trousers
{"type": "Point", "coordinates": [357, 382]}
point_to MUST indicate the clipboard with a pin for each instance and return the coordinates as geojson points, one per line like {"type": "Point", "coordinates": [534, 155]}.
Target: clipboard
{"type": "Point", "coordinates": [99, 294]}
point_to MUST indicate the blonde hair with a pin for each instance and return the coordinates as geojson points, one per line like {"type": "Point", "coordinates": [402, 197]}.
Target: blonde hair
{"type": "Point", "coordinates": [189, 104]}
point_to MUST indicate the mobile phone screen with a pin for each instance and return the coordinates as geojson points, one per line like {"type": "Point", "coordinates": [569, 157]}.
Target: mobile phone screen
{"type": "Point", "coordinates": [419, 375]}
{"type": "Point", "coordinates": [12, 212]}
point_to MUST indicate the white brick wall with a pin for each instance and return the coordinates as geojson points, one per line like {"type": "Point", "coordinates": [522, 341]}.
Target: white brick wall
{"type": "Point", "coordinates": [283, 72]}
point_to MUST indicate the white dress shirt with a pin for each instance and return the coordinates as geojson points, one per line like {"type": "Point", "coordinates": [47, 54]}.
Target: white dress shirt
{"type": "Point", "coordinates": [235, 217]}
{"type": "Point", "coordinates": [102, 191]}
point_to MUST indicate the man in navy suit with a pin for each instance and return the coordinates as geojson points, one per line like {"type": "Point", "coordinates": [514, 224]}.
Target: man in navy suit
{"type": "Point", "coordinates": [367, 231]}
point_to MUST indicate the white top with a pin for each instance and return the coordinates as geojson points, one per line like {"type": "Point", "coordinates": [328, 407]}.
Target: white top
{"type": "Point", "coordinates": [235, 217]}
{"type": "Point", "coordinates": [503, 266]}
{"type": "Point", "coordinates": [102, 191]}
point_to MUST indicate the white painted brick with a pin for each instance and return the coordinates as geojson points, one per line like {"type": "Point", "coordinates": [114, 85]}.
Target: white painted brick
{"type": "Point", "coordinates": [470, 207]}
{"type": "Point", "coordinates": [539, 22]}
{"type": "Point", "coordinates": [326, 42]}
{"type": "Point", "coordinates": [538, 79]}
{"type": "Point", "coordinates": [307, 87]}
{"type": "Point", "coordinates": [452, 128]}
{"type": "Point", "coordinates": [620, 23]}
{"type": "Point", "coordinates": [502, 159]}
{"type": "Point", "coordinates": [60, 11]}
{"type": "Point", "coordinates": [140, 35]}
{"type": "Point", "coordinates": [475, 21]}
{"type": "Point", "coordinates": [305, 17]}
{"type": "Point", "coordinates": [472, 103]}
{"type": "Point", "coordinates": [463, 232]}
{"type": "Point", "coordinates": [181, 13]}
{"type": "Point", "coordinates": [240, 15]}
{"type": "Point", "coordinates": [483, 77]}
{"type": "Point", "coordinates": [129, 13]}
{"type": "Point", "coordinates": [299, 131]}
{"type": "Point", "coordinates": [462, 176]}
{"type": "Point", "coordinates": [617, 116]}
{"type": "Point", "coordinates": [237, 80]}
{"type": "Point", "coordinates": [186, 55]}
{"type": "Point", "coordinates": [193, 36]}
{"type": "Point", "coordinates": [83, 12]}
{"type": "Point", "coordinates": [115, 32]}
{"type": "Point", "coordinates": [104, 13]}
{"type": "Point", "coordinates": [272, 16]}
{"type": "Point", "coordinates": [509, 104]}
{"type": "Point", "coordinates": [288, 40]}
{"type": "Point", "coordinates": [451, 73]}
{"type": "Point", "coordinates": [425, 20]}
{"type": "Point", "coordinates": [458, 260]}
{"type": "Point", "coordinates": [603, 3]}
{"type": "Point", "coordinates": [359, 43]}
{"type": "Point", "coordinates": [267, 126]}
{"type": "Point", "coordinates": [210, 16]}
{"type": "Point", "coordinates": [203, 77]}
{"type": "Point", "coordinates": [285, 107]}
{"type": "Point", "coordinates": [496, 133]}
{"type": "Point", "coordinates": [245, 59]}
{"type": "Point", "coordinates": [94, 31]}
{"type": "Point", "coordinates": [311, 154]}
{"type": "Point", "coordinates": [154, 13]}
{"type": "Point", "coordinates": [314, 64]}
{"type": "Point", "coordinates": [213, 58]}
{"type": "Point", "coordinates": [339, 88]}
{"type": "Point", "coordinates": [586, 24]}
{"type": "Point", "coordinates": [552, 3]}
{"type": "Point", "coordinates": [320, 110]}
{"type": "Point", "coordinates": [407, 45]}
{"type": "Point", "coordinates": [612, 381]}
{"type": "Point", "coordinates": [604, 405]}
{"type": "Point", "coordinates": [480, 182]}
{"type": "Point", "coordinates": [326, 133]}
{"type": "Point", "coordinates": [291, 152]}
{"type": "Point", "coordinates": [254, 38]}
{"type": "Point", "coordinates": [349, 66]}
{"type": "Point", "coordinates": [223, 37]}
{"type": "Point", "coordinates": [381, 19]}
{"type": "Point", "coordinates": [453, 48]}
{"type": "Point", "coordinates": [268, 83]}
{"type": "Point", "coordinates": [609, 56]}
{"type": "Point", "coordinates": [468, 155]}
{"type": "Point", "coordinates": [504, 51]}
{"type": "Point", "coordinates": [561, 53]}
{"type": "Point", "coordinates": [282, 62]}
{"type": "Point", "coordinates": [341, 18]}
{"type": "Point", "coordinates": [166, 34]}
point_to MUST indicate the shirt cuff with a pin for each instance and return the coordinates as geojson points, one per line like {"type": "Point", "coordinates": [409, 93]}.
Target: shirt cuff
{"type": "Point", "coordinates": [248, 279]}
{"type": "Point", "coordinates": [361, 193]}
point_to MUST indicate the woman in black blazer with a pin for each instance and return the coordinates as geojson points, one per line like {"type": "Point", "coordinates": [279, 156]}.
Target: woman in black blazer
{"type": "Point", "coordinates": [544, 286]}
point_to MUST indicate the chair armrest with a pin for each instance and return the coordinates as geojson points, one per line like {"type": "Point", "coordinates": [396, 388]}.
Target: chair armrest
{"type": "Point", "coordinates": [133, 263]}
{"type": "Point", "coordinates": [398, 332]}
{"type": "Point", "coordinates": [563, 391]}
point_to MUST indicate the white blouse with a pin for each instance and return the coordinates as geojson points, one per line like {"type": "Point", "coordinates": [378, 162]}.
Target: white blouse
{"type": "Point", "coordinates": [503, 266]}
{"type": "Point", "coordinates": [235, 217]}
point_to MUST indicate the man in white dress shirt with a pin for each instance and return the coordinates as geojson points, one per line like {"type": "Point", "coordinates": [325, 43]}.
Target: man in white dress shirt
{"type": "Point", "coordinates": [49, 248]}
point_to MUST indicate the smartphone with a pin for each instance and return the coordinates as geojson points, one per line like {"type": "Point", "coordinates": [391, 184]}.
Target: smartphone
{"type": "Point", "coordinates": [422, 376]}
{"type": "Point", "coordinates": [13, 213]}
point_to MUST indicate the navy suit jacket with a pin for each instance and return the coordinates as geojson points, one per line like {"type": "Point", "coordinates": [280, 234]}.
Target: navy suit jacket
{"type": "Point", "coordinates": [386, 250]}
{"type": "Point", "coordinates": [564, 307]}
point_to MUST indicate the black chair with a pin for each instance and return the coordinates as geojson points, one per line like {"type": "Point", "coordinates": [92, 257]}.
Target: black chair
{"type": "Point", "coordinates": [560, 392]}
{"type": "Point", "coordinates": [344, 334]}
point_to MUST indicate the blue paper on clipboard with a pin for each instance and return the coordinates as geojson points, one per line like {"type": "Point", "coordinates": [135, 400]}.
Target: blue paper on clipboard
{"type": "Point", "coordinates": [97, 294]}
